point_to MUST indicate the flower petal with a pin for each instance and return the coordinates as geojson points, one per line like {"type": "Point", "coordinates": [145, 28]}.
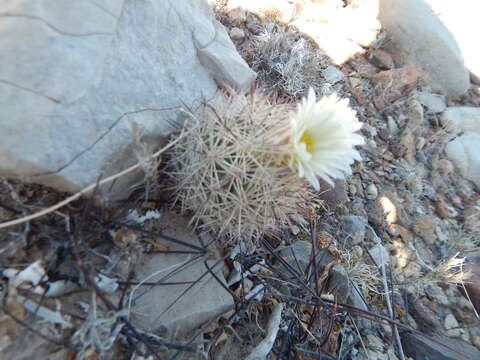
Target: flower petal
{"type": "Point", "coordinates": [331, 124]}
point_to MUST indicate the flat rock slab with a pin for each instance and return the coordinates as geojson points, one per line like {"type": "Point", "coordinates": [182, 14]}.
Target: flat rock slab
{"type": "Point", "coordinates": [178, 308]}
{"type": "Point", "coordinates": [421, 348]}
{"type": "Point", "coordinates": [89, 88]}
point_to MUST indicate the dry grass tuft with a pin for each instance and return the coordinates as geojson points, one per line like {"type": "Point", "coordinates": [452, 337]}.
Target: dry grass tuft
{"type": "Point", "coordinates": [451, 271]}
{"type": "Point", "coordinates": [366, 277]}
{"type": "Point", "coordinates": [286, 61]}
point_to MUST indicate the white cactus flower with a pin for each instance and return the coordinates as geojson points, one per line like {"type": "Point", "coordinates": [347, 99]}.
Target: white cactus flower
{"type": "Point", "coordinates": [323, 139]}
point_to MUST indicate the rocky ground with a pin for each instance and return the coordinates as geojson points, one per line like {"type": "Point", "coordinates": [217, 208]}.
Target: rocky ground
{"type": "Point", "coordinates": [378, 273]}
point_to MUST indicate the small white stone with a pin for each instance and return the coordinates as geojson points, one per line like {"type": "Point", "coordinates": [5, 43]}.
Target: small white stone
{"type": "Point", "coordinates": [237, 34]}
{"type": "Point", "coordinates": [106, 284]}
{"type": "Point", "coordinates": [450, 322]}
{"type": "Point", "coordinates": [332, 74]}
{"type": "Point", "coordinates": [372, 192]}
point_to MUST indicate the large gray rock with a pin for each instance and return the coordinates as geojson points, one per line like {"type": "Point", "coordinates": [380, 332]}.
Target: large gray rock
{"type": "Point", "coordinates": [85, 86]}
{"type": "Point", "coordinates": [464, 152]}
{"type": "Point", "coordinates": [178, 308]}
{"type": "Point", "coordinates": [418, 32]}
{"type": "Point", "coordinates": [462, 118]}
{"type": "Point", "coordinates": [460, 17]}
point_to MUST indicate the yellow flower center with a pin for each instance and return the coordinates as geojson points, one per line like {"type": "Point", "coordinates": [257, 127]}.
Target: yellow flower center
{"type": "Point", "coordinates": [308, 140]}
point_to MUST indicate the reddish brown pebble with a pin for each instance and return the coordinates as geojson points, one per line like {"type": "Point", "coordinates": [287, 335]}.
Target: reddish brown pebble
{"type": "Point", "coordinates": [382, 59]}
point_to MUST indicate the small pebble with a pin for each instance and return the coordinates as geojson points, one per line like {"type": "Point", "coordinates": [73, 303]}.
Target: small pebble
{"type": "Point", "coordinates": [422, 158]}
{"type": "Point", "coordinates": [372, 192]}
{"type": "Point", "coordinates": [444, 166]}
{"type": "Point", "coordinates": [352, 189]}
{"type": "Point", "coordinates": [382, 59]}
{"type": "Point", "coordinates": [430, 192]}
{"type": "Point", "coordinates": [452, 326]}
{"type": "Point", "coordinates": [414, 183]}
{"type": "Point", "coordinates": [332, 74]}
{"type": "Point", "coordinates": [392, 125]}
{"type": "Point", "coordinates": [237, 33]}
{"type": "Point", "coordinates": [435, 103]}
{"type": "Point", "coordinates": [294, 229]}
{"type": "Point", "coordinates": [420, 143]}
{"type": "Point", "coordinates": [415, 112]}
{"type": "Point", "coordinates": [475, 340]}
{"type": "Point", "coordinates": [457, 201]}
{"type": "Point", "coordinates": [393, 230]}
{"type": "Point", "coordinates": [443, 209]}
{"type": "Point", "coordinates": [441, 236]}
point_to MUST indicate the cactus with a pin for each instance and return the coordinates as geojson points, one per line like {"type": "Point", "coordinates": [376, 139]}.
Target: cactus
{"type": "Point", "coordinates": [230, 171]}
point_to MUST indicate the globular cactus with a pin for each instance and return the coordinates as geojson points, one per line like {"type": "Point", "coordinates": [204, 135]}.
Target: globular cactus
{"type": "Point", "coordinates": [230, 169]}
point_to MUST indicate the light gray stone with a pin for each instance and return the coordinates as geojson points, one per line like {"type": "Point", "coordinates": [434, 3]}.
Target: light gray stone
{"type": "Point", "coordinates": [339, 283]}
{"type": "Point", "coordinates": [464, 153]}
{"type": "Point", "coordinates": [392, 125]}
{"type": "Point", "coordinates": [462, 118]}
{"type": "Point", "coordinates": [178, 308]}
{"type": "Point", "coordinates": [452, 326]}
{"type": "Point", "coordinates": [237, 34]}
{"type": "Point", "coordinates": [354, 228]}
{"type": "Point", "coordinates": [82, 83]}
{"type": "Point", "coordinates": [356, 299]}
{"type": "Point", "coordinates": [380, 255]}
{"type": "Point", "coordinates": [418, 32]}
{"type": "Point", "coordinates": [435, 103]}
{"type": "Point", "coordinates": [332, 74]}
{"type": "Point", "coordinates": [298, 255]}
{"type": "Point", "coordinates": [372, 191]}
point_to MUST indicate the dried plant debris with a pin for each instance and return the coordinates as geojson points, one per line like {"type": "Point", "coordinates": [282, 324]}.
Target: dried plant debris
{"type": "Point", "coordinates": [100, 331]}
{"type": "Point", "coordinates": [286, 61]}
